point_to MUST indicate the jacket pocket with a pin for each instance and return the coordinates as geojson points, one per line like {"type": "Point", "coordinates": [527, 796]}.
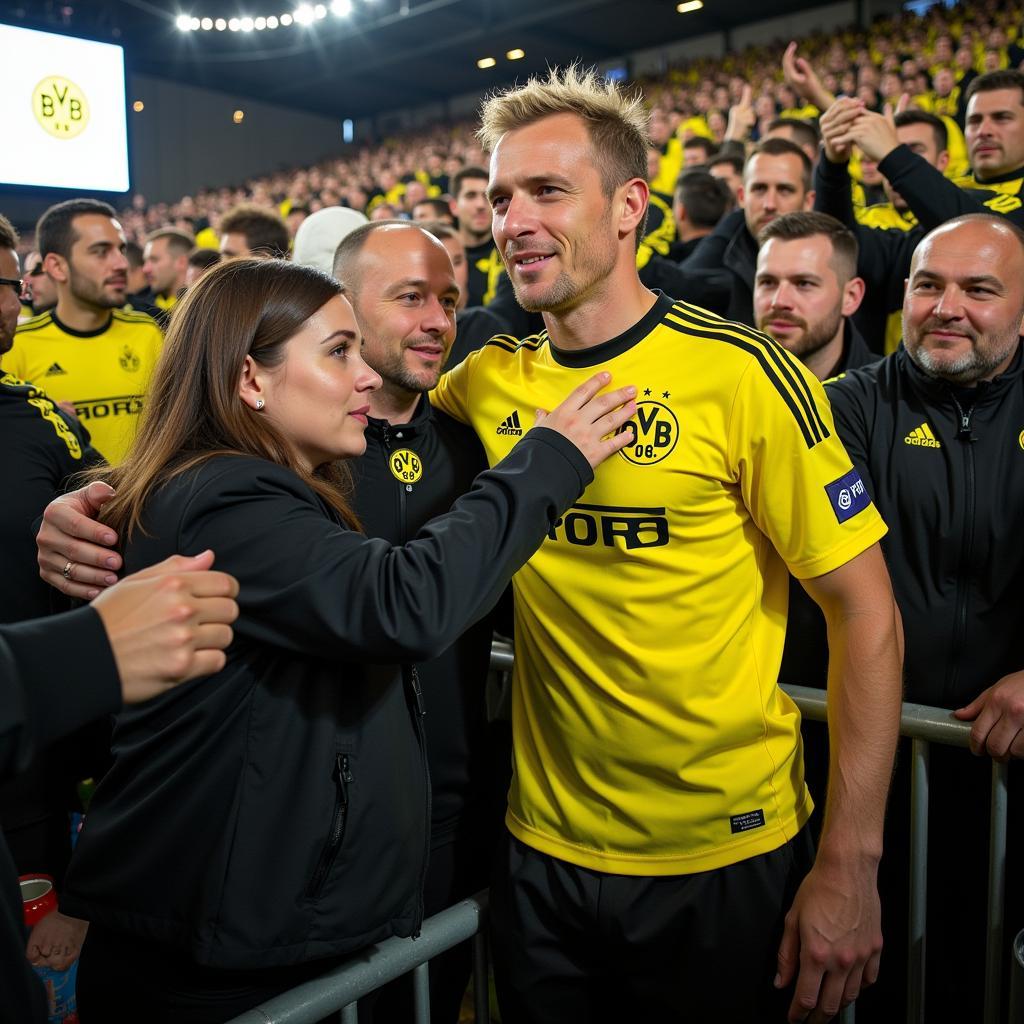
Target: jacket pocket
{"type": "Point", "coordinates": [339, 821]}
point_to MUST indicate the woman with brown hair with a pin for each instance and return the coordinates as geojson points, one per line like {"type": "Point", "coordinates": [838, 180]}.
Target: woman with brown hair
{"type": "Point", "coordinates": [259, 825]}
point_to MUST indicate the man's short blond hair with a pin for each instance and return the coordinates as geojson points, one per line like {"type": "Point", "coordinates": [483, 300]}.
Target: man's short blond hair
{"type": "Point", "coordinates": [615, 120]}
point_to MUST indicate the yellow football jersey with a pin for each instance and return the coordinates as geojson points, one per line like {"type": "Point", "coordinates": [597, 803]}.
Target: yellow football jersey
{"type": "Point", "coordinates": [104, 373]}
{"type": "Point", "coordinates": [650, 735]}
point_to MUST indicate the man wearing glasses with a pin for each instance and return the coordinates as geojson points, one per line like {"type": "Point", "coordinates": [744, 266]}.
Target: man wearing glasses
{"type": "Point", "coordinates": [40, 289]}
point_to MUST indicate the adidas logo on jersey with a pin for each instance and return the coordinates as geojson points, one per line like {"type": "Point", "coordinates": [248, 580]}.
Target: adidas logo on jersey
{"type": "Point", "coordinates": [922, 437]}
{"type": "Point", "coordinates": [56, 371]}
{"type": "Point", "coordinates": [511, 425]}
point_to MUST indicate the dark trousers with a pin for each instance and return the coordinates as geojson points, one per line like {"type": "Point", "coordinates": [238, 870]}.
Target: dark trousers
{"type": "Point", "coordinates": [458, 868]}
{"type": "Point", "coordinates": [575, 946]}
{"type": "Point", "coordinates": [123, 978]}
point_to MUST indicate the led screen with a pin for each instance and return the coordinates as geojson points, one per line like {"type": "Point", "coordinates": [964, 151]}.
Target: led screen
{"type": "Point", "coordinates": [64, 112]}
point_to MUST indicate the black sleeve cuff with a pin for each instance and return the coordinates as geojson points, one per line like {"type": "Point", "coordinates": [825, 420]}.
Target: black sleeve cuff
{"type": "Point", "coordinates": [900, 160]}
{"type": "Point", "coordinates": [553, 439]}
{"type": "Point", "coordinates": [68, 672]}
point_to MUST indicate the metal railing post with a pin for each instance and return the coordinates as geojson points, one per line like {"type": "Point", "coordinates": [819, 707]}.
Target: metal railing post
{"type": "Point", "coordinates": [421, 993]}
{"type": "Point", "coordinates": [481, 985]}
{"type": "Point", "coordinates": [996, 893]}
{"type": "Point", "coordinates": [918, 919]}
{"type": "Point", "coordinates": [350, 1014]}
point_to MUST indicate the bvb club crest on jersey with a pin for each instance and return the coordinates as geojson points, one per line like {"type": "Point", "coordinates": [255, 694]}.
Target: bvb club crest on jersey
{"type": "Point", "coordinates": [60, 107]}
{"type": "Point", "coordinates": [655, 432]}
{"type": "Point", "coordinates": [129, 361]}
{"type": "Point", "coordinates": [405, 466]}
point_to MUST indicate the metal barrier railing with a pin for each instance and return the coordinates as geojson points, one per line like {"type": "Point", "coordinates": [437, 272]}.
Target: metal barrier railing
{"type": "Point", "coordinates": [374, 967]}
{"type": "Point", "coordinates": [1017, 980]}
{"type": "Point", "coordinates": [924, 726]}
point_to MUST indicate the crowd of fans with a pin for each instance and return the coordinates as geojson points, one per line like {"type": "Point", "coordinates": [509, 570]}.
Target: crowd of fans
{"type": "Point", "coordinates": [793, 188]}
{"type": "Point", "coordinates": [931, 59]}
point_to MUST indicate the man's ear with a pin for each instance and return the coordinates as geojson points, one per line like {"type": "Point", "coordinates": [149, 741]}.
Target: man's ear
{"type": "Point", "coordinates": [57, 267]}
{"type": "Point", "coordinates": [853, 296]}
{"type": "Point", "coordinates": [635, 197]}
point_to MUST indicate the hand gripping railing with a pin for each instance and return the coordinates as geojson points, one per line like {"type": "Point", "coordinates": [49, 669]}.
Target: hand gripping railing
{"type": "Point", "coordinates": [377, 965]}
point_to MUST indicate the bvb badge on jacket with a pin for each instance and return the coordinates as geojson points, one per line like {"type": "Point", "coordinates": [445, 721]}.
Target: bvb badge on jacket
{"type": "Point", "coordinates": [406, 466]}
{"type": "Point", "coordinates": [129, 361]}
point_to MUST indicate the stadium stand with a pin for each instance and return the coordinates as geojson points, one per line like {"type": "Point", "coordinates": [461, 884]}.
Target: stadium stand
{"type": "Point", "coordinates": [903, 162]}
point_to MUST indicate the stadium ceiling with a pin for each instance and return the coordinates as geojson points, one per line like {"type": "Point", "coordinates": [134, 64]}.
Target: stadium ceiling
{"type": "Point", "coordinates": [385, 54]}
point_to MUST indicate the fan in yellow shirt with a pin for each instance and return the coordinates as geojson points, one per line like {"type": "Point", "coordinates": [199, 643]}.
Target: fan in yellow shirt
{"type": "Point", "coordinates": [651, 742]}
{"type": "Point", "coordinates": [87, 351]}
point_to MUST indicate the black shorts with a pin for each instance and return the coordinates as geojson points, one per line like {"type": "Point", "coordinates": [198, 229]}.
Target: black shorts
{"type": "Point", "coordinates": [576, 946]}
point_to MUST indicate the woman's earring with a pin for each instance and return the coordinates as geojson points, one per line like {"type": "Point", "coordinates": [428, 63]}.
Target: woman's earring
{"type": "Point", "coordinates": [259, 404]}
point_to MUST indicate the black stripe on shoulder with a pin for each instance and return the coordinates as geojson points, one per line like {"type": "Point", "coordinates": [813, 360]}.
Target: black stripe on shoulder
{"type": "Point", "coordinates": [503, 341]}
{"type": "Point", "coordinates": [811, 438]}
{"type": "Point", "coordinates": [42, 320]}
{"type": "Point", "coordinates": [787, 369]}
{"type": "Point", "coordinates": [509, 343]}
{"type": "Point", "coordinates": [683, 308]}
{"type": "Point", "coordinates": [134, 317]}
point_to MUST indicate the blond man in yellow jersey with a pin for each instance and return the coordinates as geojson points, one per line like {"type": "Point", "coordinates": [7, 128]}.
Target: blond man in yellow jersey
{"type": "Point", "coordinates": [88, 353]}
{"type": "Point", "coordinates": [657, 809]}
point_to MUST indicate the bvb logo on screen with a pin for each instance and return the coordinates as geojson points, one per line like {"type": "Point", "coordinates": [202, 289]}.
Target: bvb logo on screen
{"type": "Point", "coordinates": [60, 107]}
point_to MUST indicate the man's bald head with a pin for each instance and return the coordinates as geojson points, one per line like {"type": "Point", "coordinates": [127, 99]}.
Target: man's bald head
{"type": "Point", "coordinates": [373, 239]}
{"type": "Point", "coordinates": [963, 309]}
{"type": "Point", "coordinates": [403, 290]}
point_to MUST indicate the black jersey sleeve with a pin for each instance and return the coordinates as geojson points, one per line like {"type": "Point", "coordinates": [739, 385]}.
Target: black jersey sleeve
{"type": "Point", "coordinates": [882, 253]}
{"type": "Point", "coordinates": [311, 586]}
{"type": "Point", "coordinates": [711, 251]}
{"type": "Point", "coordinates": [56, 674]}
{"type": "Point", "coordinates": [933, 198]}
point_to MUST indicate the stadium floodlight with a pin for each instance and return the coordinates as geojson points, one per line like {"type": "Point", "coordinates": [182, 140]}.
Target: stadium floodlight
{"type": "Point", "coordinates": [689, 5]}
{"type": "Point", "coordinates": [184, 23]}
{"type": "Point", "coordinates": [304, 15]}
{"type": "Point", "coordinates": [260, 24]}
{"type": "Point", "coordinates": [220, 24]}
{"type": "Point", "coordinates": [486, 62]}
{"type": "Point", "coordinates": [341, 8]}
{"type": "Point", "coordinates": [245, 24]}
{"type": "Point", "coordinates": [206, 24]}
{"type": "Point", "coordinates": [233, 24]}
{"type": "Point", "coordinates": [272, 22]}
{"type": "Point", "coordinates": [320, 11]}
{"type": "Point", "coordinates": [194, 24]}
{"type": "Point", "coordinates": [516, 54]}
{"type": "Point", "coordinates": [286, 19]}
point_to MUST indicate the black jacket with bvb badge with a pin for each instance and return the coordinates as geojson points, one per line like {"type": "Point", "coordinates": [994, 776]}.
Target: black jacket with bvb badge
{"type": "Point", "coordinates": [945, 466]}
{"type": "Point", "coordinates": [410, 473]}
